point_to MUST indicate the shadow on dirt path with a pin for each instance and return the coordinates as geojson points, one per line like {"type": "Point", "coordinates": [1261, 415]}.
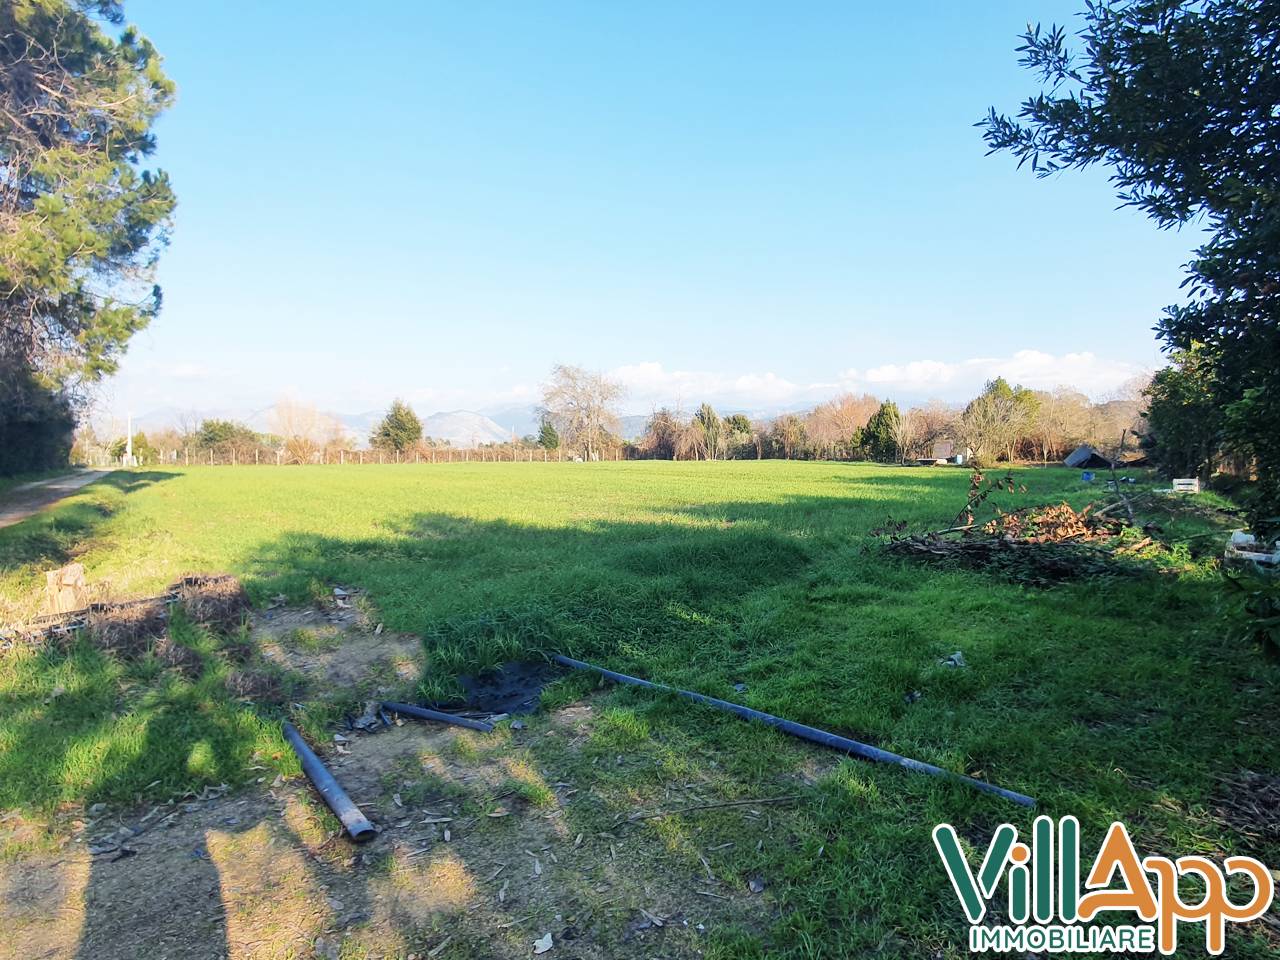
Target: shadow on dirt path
{"type": "Point", "coordinates": [30, 498]}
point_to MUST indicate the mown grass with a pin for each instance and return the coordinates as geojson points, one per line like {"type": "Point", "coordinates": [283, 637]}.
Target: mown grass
{"type": "Point", "coordinates": [1106, 699]}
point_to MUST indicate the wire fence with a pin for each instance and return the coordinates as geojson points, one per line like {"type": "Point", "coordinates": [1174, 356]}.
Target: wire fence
{"type": "Point", "coordinates": [286, 456]}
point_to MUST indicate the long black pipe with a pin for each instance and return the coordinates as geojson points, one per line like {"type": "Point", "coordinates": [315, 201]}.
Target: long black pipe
{"type": "Point", "coordinates": [343, 806]}
{"type": "Point", "coordinates": [422, 713]}
{"type": "Point", "coordinates": [836, 742]}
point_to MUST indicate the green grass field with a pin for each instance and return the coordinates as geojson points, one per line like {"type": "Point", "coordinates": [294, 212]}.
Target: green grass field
{"type": "Point", "coordinates": [1106, 699]}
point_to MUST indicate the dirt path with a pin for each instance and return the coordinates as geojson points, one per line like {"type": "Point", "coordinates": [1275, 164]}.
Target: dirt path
{"type": "Point", "coordinates": [30, 498]}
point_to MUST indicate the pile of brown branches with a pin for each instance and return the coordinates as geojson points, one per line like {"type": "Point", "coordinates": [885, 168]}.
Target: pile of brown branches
{"type": "Point", "coordinates": [1038, 545]}
{"type": "Point", "coordinates": [1031, 561]}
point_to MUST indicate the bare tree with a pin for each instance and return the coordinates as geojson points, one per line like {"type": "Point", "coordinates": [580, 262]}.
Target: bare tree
{"type": "Point", "coordinates": [1134, 388]}
{"type": "Point", "coordinates": [789, 434]}
{"type": "Point", "coordinates": [992, 424]}
{"type": "Point", "coordinates": [906, 431]}
{"type": "Point", "coordinates": [935, 421]}
{"type": "Point", "coordinates": [303, 430]}
{"type": "Point", "coordinates": [1061, 421]}
{"type": "Point", "coordinates": [831, 426]}
{"type": "Point", "coordinates": [691, 441]}
{"type": "Point", "coordinates": [661, 435]}
{"type": "Point", "coordinates": [581, 405]}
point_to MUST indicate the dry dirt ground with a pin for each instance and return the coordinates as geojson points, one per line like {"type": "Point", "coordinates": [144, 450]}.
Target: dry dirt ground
{"type": "Point", "coordinates": [485, 848]}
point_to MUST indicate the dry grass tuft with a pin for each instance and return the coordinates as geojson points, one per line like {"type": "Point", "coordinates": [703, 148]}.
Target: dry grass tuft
{"type": "Point", "coordinates": [128, 629]}
{"type": "Point", "coordinates": [1250, 802]}
{"type": "Point", "coordinates": [183, 659]}
{"type": "Point", "coordinates": [255, 685]}
{"type": "Point", "coordinates": [214, 601]}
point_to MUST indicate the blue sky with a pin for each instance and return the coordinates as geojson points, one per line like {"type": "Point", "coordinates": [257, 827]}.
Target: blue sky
{"type": "Point", "coordinates": [756, 204]}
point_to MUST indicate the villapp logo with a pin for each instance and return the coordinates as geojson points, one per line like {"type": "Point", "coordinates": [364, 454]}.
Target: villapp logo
{"type": "Point", "coordinates": [1049, 911]}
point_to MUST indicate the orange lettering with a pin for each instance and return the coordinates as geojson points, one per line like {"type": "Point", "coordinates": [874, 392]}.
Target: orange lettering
{"type": "Point", "coordinates": [1117, 853]}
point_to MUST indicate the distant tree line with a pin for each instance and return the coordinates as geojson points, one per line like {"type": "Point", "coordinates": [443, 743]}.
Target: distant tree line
{"type": "Point", "coordinates": [298, 434]}
{"type": "Point", "coordinates": [580, 421]}
{"type": "Point", "coordinates": [1002, 423]}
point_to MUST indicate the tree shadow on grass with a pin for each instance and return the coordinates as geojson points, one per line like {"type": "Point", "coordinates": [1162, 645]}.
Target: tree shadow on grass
{"type": "Point", "coordinates": [744, 594]}
{"type": "Point", "coordinates": [554, 589]}
{"type": "Point", "coordinates": [465, 584]}
{"type": "Point", "coordinates": [52, 537]}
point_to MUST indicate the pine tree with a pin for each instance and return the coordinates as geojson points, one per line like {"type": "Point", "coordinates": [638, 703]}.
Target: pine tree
{"type": "Point", "coordinates": [83, 223]}
{"type": "Point", "coordinates": [399, 430]}
{"type": "Point", "coordinates": [548, 439]}
{"type": "Point", "coordinates": [880, 435]}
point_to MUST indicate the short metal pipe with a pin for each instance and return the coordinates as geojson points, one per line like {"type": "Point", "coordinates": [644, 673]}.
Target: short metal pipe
{"type": "Point", "coordinates": [344, 808]}
{"type": "Point", "coordinates": [804, 732]}
{"type": "Point", "coordinates": [423, 713]}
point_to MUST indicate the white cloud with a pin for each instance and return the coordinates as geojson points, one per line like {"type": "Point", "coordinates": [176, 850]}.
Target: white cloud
{"type": "Point", "coordinates": [1031, 368]}
{"type": "Point", "coordinates": [650, 384]}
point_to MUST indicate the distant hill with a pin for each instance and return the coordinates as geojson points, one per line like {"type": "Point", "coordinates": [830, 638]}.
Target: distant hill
{"type": "Point", "coordinates": [523, 418]}
{"type": "Point", "coordinates": [631, 427]}
{"type": "Point", "coordinates": [464, 427]}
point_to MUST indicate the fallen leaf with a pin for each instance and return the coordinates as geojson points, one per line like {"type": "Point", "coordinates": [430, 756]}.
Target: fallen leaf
{"type": "Point", "coordinates": [542, 944]}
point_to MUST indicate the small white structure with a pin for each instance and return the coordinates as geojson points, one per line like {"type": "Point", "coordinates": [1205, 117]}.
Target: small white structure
{"type": "Point", "coordinates": [1186, 485]}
